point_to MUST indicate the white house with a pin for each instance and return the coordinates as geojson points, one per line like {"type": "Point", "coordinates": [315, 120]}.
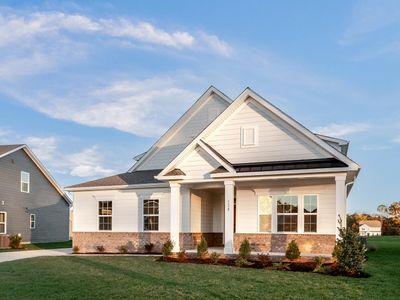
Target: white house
{"type": "Point", "coordinates": [226, 170]}
{"type": "Point", "coordinates": [370, 228]}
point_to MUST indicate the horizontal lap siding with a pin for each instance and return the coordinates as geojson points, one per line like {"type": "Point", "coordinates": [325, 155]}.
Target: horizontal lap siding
{"type": "Point", "coordinates": [276, 140]}
{"type": "Point", "coordinates": [167, 152]}
{"type": "Point", "coordinates": [198, 164]}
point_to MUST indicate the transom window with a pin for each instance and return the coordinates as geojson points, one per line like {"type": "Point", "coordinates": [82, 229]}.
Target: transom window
{"type": "Point", "coordinates": [32, 221]}
{"type": "Point", "coordinates": [25, 182]}
{"type": "Point", "coordinates": [3, 224]}
{"type": "Point", "coordinates": [150, 215]}
{"type": "Point", "coordinates": [287, 211]}
{"type": "Point", "coordinates": [264, 213]}
{"type": "Point", "coordinates": [105, 215]}
{"type": "Point", "coordinates": [310, 213]}
{"type": "Point", "coordinates": [249, 136]}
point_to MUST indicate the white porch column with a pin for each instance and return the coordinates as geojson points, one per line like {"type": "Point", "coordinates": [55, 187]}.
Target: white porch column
{"type": "Point", "coordinates": [175, 215]}
{"type": "Point", "coordinates": [229, 208]}
{"type": "Point", "coordinates": [341, 201]}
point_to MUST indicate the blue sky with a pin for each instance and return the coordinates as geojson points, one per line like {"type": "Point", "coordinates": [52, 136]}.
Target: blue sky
{"type": "Point", "coordinates": [88, 85]}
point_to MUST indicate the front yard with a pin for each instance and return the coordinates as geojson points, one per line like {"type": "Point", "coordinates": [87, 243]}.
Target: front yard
{"type": "Point", "coordinates": [41, 246]}
{"type": "Point", "coordinates": [142, 277]}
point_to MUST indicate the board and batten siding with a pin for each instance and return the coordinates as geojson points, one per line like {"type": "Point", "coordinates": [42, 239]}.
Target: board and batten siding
{"type": "Point", "coordinates": [43, 200]}
{"type": "Point", "coordinates": [127, 213]}
{"type": "Point", "coordinates": [185, 134]}
{"type": "Point", "coordinates": [276, 140]}
{"type": "Point", "coordinates": [247, 205]}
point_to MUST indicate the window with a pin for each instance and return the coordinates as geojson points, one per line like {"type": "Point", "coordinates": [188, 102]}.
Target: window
{"type": "Point", "coordinates": [24, 182]}
{"type": "Point", "coordinates": [310, 213]}
{"type": "Point", "coordinates": [150, 215]}
{"type": "Point", "coordinates": [287, 210]}
{"type": "Point", "coordinates": [3, 224]}
{"type": "Point", "coordinates": [105, 215]}
{"type": "Point", "coordinates": [264, 213]}
{"type": "Point", "coordinates": [249, 136]}
{"type": "Point", "coordinates": [32, 221]}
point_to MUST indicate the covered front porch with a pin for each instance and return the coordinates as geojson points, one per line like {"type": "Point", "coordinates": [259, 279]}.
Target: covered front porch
{"type": "Point", "coordinates": [227, 211]}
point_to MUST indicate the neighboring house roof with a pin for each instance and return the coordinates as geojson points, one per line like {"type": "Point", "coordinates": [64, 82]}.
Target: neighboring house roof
{"type": "Point", "coordinates": [371, 223]}
{"type": "Point", "coordinates": [123, 179]}
{"type": "Point", "coordinates": [8, 149]}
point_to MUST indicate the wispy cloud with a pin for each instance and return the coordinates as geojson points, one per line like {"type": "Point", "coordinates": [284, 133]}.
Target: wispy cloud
{"type": "Point", "coordinates": [375, 147]}
{"type": "Point", "coordinates": [396, 139]}
{"type": "Point", "coordinates": [43, 147]}
{"type": "Point", "coordinates": [339, 130]}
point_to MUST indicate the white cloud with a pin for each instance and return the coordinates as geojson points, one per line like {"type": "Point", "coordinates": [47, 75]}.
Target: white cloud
{"type": "Point", "coordinates": [216, 44]}
{"type": "Point", "coordinates": [339, 130]}
{"type": "Point", "coordinates": [4, 132]}
{"type": "Point", "coordinates": [43, 147]}
{"type": "Point", "coordinates": [375, 147]}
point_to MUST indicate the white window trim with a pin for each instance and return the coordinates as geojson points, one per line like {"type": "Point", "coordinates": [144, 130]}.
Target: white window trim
{"type": "Point", "coordinates": [242, 130]}
{"type": "Point", "coordinates": [304, 214]}
{"type": "Point", "coordinates": [29, 182]}
{"type": "Point", "coordinates": [98, 216]}
{"type": "Point", "coordinates": [287, 214]}
{"type": "Point", "coordinates": [5, 222]}
{"type": "Point", "coordinates": [34, 221]}
{"type": "Point", "coordinates": [150, 215]}
{"type": "Point", "coordinates": [258, 213]}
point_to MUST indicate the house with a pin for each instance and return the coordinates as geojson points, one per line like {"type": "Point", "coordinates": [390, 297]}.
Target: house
{"type": "Point", "coordinates": [31, 202]}
{"type": "Point", "coordinates": [226, 170]}
{"type": "Point", "coordinates": [370, 228]}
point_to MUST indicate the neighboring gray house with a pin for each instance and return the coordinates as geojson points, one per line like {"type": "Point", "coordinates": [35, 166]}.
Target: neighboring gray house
{"type": "Point", "coordinates": [31, 202]}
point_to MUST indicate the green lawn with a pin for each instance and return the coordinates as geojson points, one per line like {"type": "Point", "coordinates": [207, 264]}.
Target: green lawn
{"type": "Point", "coordinates": [41, 246]}
{"type": "Point", "coordinates": [80, 277]}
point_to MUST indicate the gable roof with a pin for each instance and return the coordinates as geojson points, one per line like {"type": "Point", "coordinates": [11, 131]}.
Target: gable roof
{"type": "Point", "coordinates": [8, 149]}
{"type": "Point", "coordinates": [241, 99]}
{"type": "Point", "coordinates": [179, 123]}
{"type": "Point", "coordinates": [123, 179]}
{"type": "Point", "coordinates": [371, 223]}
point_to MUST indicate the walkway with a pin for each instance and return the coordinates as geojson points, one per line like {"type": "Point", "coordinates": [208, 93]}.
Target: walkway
{"type": "Point", "coordinates": [15, 255]}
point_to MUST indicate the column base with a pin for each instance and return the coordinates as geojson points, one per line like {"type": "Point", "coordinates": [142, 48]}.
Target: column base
{"type": "Point", "coordinates": [228, 250]}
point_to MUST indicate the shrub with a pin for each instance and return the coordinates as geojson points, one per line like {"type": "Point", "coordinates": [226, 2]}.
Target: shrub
{"type": "Point", "coordinates": [241, 261]}
{"type": "Point", "coordinates": [202, 248]}
{"type": "Point", "coordinates": [264, 259]}
{"type": "Point", "coordinates": [15, 241]}
{"type": "Point", "coordinates": [123, 249]}
{"type": "Point", "coordinates": [245, 249]}
{"type": "Point", "coordinates": [292, 251]}
{"type": "Point", "coordinates": [318, 260]}
{"type": "Point", "coordinates": [349, 252]}
{"type": "Point", "coordinates": [167, 248]}
{"type": "Point", "coordinates": [100, 248]}
{"type": "Point", "coordinates": [182, 256]}
{"type": "Point", "coordinates": [149, 247]}
{"type": "Point", "coordinates": [214, 257]}
{"type": "Point", "coordinates": [75, 249]}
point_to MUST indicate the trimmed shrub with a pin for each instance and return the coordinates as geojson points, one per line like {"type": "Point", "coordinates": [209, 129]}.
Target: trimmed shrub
{"type": "Point", "coordinates": [202, 248]}
{"type": "Point", "coordinates": [123, 249]}
{"type": "Point", "coordinates": [182, 256]}
{"type": "Point", "coordinates": [167, 248]}
{"type": "Point", "coordinates": [318, 260]}
{"type": "Point", "coordinates": [245, 249]}
{"type": "Point", "coordinates": [149, 247]}
{"type": "Point", "coordinates": [214, 257]}
{"type": "Point", "coordinates": [349, 252]}
{"type": "Point", "coordinates": [75, 249]}
{"type": "Point", "coordinates": [100, 248]}
{"type": "Point", "coordinates": [15, 241]}
{"type": "Point", "coordinates": [292, 251]}
{"type": "Point", "coordinates": [264, 259]}
{"type": "Point", "coordinates": [241, 261]}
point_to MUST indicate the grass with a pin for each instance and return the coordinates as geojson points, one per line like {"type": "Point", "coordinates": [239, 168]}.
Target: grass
{"type": "Point", "coordinates": [41, 246]}
{"type": "Point", "coordinates": [97, 277]}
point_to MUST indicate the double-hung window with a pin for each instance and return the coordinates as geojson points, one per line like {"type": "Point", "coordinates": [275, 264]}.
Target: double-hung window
{"type": "Point", "coordinates": [32, 221]}
{"type": "Point", "coordinates": [150, 215]}
{"type": "Point", "coordinates": [310, 213]}
{"type": "Point", "coordinates": [3, 222]}
{"type": "Point", "coordinates": [264, 213]}
{"type": "Point", "coordinates": [25, 182]}
{"type": "Point", "coordinates": [105, 215]}
{"type": "Point", "coordinates": [287, 211]}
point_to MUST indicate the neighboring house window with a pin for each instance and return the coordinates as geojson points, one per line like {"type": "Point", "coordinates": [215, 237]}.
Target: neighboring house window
{"type": "Point", "coordinates": [32, 220]}
{"type": "Point", "coordinates": [3, 222]}
{"type": "Point", "coordinates": [105, 215]}
{"type": "Point", "coordinates": [310, 213]}
{"type": "Point", "coordinates": [249, 136]}
{"type": "Point", "coordinates": [25, 182]}
{"type": "Point", "coordinates": [264, 213]}
{"type": "Point", "coordinates": [150, 215]}
{"type": "Point", "coordinates": [287, 210]}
